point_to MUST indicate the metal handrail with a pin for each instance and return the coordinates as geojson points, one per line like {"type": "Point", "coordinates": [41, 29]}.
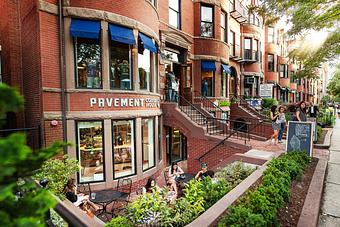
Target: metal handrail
{"type": "Point", "coordinates": [200, 96]}
{"type": "Point", "coordinates": [227, 137]}
{"type": "Point", "coordinates": [202, 119]}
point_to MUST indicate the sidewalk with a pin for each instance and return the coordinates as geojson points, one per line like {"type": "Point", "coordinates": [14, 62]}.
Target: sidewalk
{"type": "Point", "coordinates": [330, 210]}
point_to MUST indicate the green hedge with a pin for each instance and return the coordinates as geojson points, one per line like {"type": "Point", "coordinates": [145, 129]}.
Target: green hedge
{"type": "Point", "coordinates": [260, 206]}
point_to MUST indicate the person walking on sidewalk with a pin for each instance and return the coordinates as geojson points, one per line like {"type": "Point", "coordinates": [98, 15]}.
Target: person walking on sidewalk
{"type": "Point", "coordinates": [282, 121]}
{"type": "Point", "coordinates": [275, 124]}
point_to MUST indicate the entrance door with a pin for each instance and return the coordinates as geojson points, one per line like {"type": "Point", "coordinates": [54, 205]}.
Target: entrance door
{"type": "Point", "coordinates": [176, 145]}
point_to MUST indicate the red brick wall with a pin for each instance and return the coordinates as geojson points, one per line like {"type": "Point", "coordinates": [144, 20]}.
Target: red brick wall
{"type": "Point", "coordinates": [52, 133]}
{"type": "Point", "coordinates": [31, 67]}
{"type": "Point", "coordinates": [140, 10]}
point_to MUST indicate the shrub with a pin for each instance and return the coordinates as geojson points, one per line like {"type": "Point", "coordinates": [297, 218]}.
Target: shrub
{"type": "Point", "coordinates": [268, 102]}
{"type": "Point", "coordinates": [57, 172]}
{"type": "Point", "coordinates": [119, 222]}
{"type": "Point", "coordinates": [217, 189]}
{"type": "Point", "coordinates": [234, 173]}
{"type": "Point", "coordinates": [259, 207]}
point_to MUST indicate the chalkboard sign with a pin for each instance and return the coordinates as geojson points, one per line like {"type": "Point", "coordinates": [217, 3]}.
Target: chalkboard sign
{"type": "Point", "coordinates": [299, 137]}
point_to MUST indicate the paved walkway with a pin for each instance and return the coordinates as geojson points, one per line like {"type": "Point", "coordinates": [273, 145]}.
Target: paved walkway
{"type": "Point", "coordinates": [330, 210]}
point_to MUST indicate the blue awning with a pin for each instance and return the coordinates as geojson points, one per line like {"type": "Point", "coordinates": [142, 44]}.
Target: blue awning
{"type": "Point", "coordinates": [226, 69]}
{"type": "Point", "coordinates": [148, 43]}
{"type": "Point", "coordinates": [85, 29]}
{"type": "Point", "coordinates": [122, 34]}
{"type": "Point", "coordinates": [208, 66]}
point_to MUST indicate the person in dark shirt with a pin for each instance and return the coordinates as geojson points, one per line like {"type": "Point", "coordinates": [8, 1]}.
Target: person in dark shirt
{"type": "Point", "coordinates": [203, 173]}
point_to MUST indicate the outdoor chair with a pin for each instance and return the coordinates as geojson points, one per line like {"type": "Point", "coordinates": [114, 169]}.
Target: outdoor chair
{"type": "Point", "coordinates": [166, 176]}
{"type": "Point", "coordinates": [84, 188]}
{"type": "Point", "coordinates": [124, 186]}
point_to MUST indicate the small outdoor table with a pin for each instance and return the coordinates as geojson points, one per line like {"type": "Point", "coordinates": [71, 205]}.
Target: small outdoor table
{"type": "Point", "coordinates": [187, 177]}
{"type": "Point", "coordinates": [104, 198]}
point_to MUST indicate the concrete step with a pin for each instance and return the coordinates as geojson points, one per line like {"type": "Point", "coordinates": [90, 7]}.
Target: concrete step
{"type": "Point", "coordinates": [259, 154]}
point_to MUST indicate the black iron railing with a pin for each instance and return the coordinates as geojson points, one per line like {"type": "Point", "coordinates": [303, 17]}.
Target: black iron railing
{"type": "Point", "coordinates": [206, 103]}
{"type": "Point", "coordinates": [33, 135]}
{"type": "Point", "coordinates": [192, 111]}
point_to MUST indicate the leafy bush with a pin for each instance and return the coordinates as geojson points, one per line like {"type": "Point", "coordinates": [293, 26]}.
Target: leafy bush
{"type": "Point", "coordinates": [57, 172]}
{"type": "Point", "coordinates": [268, 102]}
{"type": "Point", "coordinates": [216, 188]}
{"type": "Point", "coordinates": [119, 222]}
{"type": "Point", "coordinates": [234, 173]}
{"type": "Point", "coordinates": [259, 207]}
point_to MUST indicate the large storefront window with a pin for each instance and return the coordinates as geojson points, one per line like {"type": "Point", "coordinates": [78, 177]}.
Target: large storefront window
{"type": "Point", "coordinates": [120, 67]}
{"type": "Point", "coordinates": [90, 151]}
{"type": "Point", "coordinates": [176, 145]}
{"type": "Point", "coordinates": [123, 148]}
{"type": "Point", "coordinates": [144, 62]}
{"type": "Point", "coordinates": [208, 83]}
{"type": "Point", "coordinates": [88, 63]}
{"type": "Point", "coordinates": [148, 148]}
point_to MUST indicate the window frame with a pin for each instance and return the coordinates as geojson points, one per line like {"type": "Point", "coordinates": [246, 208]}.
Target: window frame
{"type": "Point", "coordinates": [75, 52]}
{"type": "Point", "coordinates": [78, 151]}
{"type": "Point", "coordinates": [224, 29]}
{"type": "Point", "coordinates": [160, 135]}
{"type": "Point", "coordinates": [249, 50]}
{"type": "Point", "coordinates": [149, 86]}
{"type": "Point", "coordinates": [272, 39]}
{"type": "Point", "coordinates": [212, 22]}
{"type": "Point", "coordinates": [154, 142]}
{"type": "Point", "coordinates": [271, 69]}
{"type": "Point", "coordinates": [134, 144]}
{"type": "Point", "coordinates": [131, 71]}
{"type": "Point", "coordinates": [233, 39]}
{"type": "Point", "coordinates": [179, 15]}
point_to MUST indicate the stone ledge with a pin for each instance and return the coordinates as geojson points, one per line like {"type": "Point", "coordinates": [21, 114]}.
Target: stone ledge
{"type": "Point", "coordinates": [327, 141]}
{"type": "Point", "coordinates": [310, 212]}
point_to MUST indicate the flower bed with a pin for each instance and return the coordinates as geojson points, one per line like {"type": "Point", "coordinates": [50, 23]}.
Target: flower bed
{"type": "Point", "coordinates": [259, 207]}
{"type": "Point", "coordinates": [153, 210]}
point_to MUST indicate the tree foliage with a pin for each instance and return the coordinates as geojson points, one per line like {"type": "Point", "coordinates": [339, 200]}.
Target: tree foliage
{"type": "Point", "coordinates": [333, 87]}
{"type": "Point", "coordinates": [22, 202]}
{"type": "Point", "coordinates": [304, 17]}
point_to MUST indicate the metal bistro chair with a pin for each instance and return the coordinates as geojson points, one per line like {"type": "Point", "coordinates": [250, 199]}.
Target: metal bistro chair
{"type": "Point", "coordinates": [124, 186]}
{"type": "Point", "coordinates": [84, 188]}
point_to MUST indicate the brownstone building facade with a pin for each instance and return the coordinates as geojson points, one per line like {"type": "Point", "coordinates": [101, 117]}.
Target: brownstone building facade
{"type": "Point", "coordinates": [96, 74]}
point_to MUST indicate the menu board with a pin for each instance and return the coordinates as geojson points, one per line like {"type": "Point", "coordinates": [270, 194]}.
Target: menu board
{"type": "Point", "coordinates": [299, 137]}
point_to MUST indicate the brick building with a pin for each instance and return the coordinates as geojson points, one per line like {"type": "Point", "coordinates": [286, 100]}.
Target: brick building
{"type": "Point", "coordinates": [97, 74]}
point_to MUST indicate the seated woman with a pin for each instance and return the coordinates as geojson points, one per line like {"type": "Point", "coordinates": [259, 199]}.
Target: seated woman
{"type": "Point", "coordinates": [175, 172]}
{"type": "Point", "coordinates": [150, 185]}
{"type": "Point", "coordinates": [79, 200]}
{"type": "Point", "coordinates": [203, 173]}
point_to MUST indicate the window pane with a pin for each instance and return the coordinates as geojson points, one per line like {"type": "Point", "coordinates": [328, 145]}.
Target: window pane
{"type": "Point", "coordinates": [90, 151]}
{"type": "Point", "coordinates": [88, 63]}
{"type": "Point", "coordinates": [270, 34]}
{"type": "Point", "coordinates": [223, 35]}
{"type": "Point", "coordinates": [120, 66]}
{"type": "Point", "coordinates": [123, 148]}
{"type": "Point", "coordinates": [207, 29]}
{"type": "Point", "coordinates": [144, 61]}
{"type": "Point", "coordinates": [148, 143]}
{"type": "Point", "coordinates": [173, 18]}
{"type": "Point", "coordinates": [255, 45]}
{"type": "Point", "coordinates": [174, 4]}
{"type": "Point", "coordinates": [222, 20]}
{"type": "Point", "coordinates": [206, 14]}
{"type": "Point", "coordinates": [160, 148]}
{"type": "Point", "coordinates": [247, 44]}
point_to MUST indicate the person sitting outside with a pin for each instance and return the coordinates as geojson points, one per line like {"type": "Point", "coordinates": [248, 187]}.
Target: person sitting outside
{"type": "Point", "coordinates": [79, 200]}
{"type": "Point", "coordinates": [174, 173]}
{"type": "Point", "coordinates": [203, 173]}
{"type": "Point", "coordinates": [150, 186]}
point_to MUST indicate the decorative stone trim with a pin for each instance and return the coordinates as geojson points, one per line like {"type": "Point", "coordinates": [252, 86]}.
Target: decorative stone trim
{"type": "Point", "coordinates": [112, 91]}
{"type": "Point", "coordinates": [117, 114]}
{"type": "Point", "coordinates": [51, 89]}
{"type": "Point", "coordinates": [110, 17]}
{"type": "Point", "coordinates": [209, 57]}
{"type": "Point", "coordinates": [47, 7]}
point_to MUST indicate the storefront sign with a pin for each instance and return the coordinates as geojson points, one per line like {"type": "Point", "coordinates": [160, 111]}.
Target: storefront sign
{"type": "Point", "coordinates": [124, 102]}
{"type": "Point", "coordinates": [266, 90]}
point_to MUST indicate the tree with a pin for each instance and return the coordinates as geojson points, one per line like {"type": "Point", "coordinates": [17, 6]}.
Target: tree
{"type": "Point", "coordinates": [304, 17]}
{"type": "Point", "coordinates": [22, 202]}
{"type": "Point", "coordinates": [333, 87]}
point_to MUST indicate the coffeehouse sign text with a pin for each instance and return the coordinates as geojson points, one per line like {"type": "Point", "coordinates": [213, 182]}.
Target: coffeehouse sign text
{"type": "Point", "coordinates": [125, 102]}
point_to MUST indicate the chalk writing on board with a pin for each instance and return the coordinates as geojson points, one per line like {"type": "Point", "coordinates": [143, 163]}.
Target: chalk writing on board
{"type": "Point", "coordinates": [301, 130]}
{"type": "Point", "coordinates": [295, 143]}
